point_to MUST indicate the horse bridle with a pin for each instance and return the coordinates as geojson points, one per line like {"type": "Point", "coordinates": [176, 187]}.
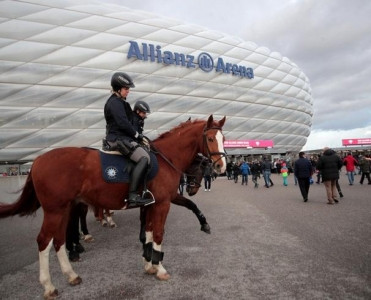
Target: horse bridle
{"type": "Point", "coordinates": [192, 182]}
{"type": "Point", "coordinates": [206, 145]}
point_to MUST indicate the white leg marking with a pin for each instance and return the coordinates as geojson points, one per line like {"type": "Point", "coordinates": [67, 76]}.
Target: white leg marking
{"type": "Point", "coordinates": [104, 222]}
{"type": "Point", "coordinates": [88, 238]}
{"type": "Point", "coordinates": [160, 268]}
{"type": "Point", "coordinates": [149, 237]}
{"type": "Point", "coordinates": [148, 264]}
{"type": "Point", "coordinates": [45, 279]}
{"type": "Point", "coordinates": [65, 264]}
{"type": "Point", "coordinates": [219, 138]}
{"type": "Point", "coordinates": [110, 221]}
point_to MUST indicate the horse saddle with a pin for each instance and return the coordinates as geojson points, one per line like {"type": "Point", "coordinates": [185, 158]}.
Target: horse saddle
{"type": "Point", "coordinates": [117, 168]}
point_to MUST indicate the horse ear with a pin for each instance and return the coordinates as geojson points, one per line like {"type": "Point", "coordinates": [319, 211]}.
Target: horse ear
{"type": "Point", "coordinates": [210, 121]}
{"type": "Point", "coordinates": [221, 122]}
{"type": "Point", "coordinates": [189, 119]}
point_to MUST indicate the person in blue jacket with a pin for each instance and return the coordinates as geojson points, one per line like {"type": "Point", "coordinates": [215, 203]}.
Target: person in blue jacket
{"type": "Point", "coordinates": [245, 171]}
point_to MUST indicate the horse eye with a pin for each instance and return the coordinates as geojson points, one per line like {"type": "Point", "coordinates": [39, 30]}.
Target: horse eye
{"type": "Point", "coordinates": [210, 139]}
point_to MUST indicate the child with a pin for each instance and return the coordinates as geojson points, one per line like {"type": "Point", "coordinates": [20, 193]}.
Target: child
{"type": "Point", "coordinates": [284, 173]}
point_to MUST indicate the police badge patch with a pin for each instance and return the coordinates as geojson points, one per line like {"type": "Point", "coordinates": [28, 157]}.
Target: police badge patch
{"type": "Point", "coordinates": [115, 167]}
{"type": "Point", "coordinates": [111, 172]}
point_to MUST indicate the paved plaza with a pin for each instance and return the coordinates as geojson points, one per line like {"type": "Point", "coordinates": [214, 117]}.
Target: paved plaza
{"type": "Point", "coordinates": [264, 244]}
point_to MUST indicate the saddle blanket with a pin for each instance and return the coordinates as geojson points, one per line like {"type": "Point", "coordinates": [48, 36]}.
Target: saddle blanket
{"type": "Point", "coordinates": [116, 168]}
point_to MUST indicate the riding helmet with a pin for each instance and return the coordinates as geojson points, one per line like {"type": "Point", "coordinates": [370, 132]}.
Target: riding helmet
{"type": "Point", "coordinates": [142, 106]}
{"type": "Point", "coordinates": [121, 80]}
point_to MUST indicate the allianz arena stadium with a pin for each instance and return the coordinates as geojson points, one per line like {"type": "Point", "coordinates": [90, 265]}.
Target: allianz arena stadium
{"type": "Point", "coordinates": [57, 59]}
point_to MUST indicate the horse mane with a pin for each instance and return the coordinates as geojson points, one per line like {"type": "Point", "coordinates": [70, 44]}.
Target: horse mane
{"type": "Point", "coordinates": [181, 126]}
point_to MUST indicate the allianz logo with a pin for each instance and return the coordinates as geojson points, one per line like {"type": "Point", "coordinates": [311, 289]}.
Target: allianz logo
{"type": "Point", "coordinates": [204, 61]}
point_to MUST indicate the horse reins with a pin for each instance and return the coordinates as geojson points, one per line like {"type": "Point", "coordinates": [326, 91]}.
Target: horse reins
{"type": "Point", "coordinates": [156, 151]}
{"type": "Point", "coordinates": [209, 153]}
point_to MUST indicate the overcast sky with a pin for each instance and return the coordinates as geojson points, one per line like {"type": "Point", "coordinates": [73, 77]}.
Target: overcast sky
{"type": "Point", "coordinates": [330, 41]}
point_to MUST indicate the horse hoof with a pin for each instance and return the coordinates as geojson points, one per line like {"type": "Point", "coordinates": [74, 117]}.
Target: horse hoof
{"type": "Point", "coordinates": [51, 295]}
{"type": "Point", "coordinates": [113, 225]}
{"type": "Point", "coordinates": [163, 277]}
{"type": "Point", "coordinates": [151, 271]}
{"type": "Point", "coordinates": [206, 228]}
{"type": "Point", "coordinates": [76, 281]}
{"type": "Point", "coordinates": [88, 238]}
{"type": "Point", "coordinates": [104, 224]}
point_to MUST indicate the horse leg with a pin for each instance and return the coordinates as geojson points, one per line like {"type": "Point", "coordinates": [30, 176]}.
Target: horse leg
{"type": "Point", "coordinates": [147, 253]}
{"type": "Point", "coordinates": [155, 220]}
{"type": "Point", "coordinates": [53, 232]}
{"type": "Point", "coordinates": [50, 292]}
{"type": "Point", "coordinates": [182, 201]}
{"type": "Point", "coordinates": [73, 234]}
{"type": "Point", "coordinates": [142, 233]}
{"type": "Point", "coordinates": [157, 257]}
{"type": "Point", "coordinates": [84, 227]}
{"type": "Point", "coordinates": [109, 218]}
{"type": "Point", "coordinates": [98, 213]}
{"type": "Point", "coordinates": [101, 218]}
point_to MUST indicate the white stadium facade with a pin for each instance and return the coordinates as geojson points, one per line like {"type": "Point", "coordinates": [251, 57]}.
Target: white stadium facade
{"type": "Point", "coordinates": [57, 58]}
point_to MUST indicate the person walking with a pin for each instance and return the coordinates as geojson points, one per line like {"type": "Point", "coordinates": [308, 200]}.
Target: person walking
{"type": "Point", "coordinates": [229, 170]}
{"type": "Point", "coordinates": [255, 171]}
{"type": "Point", "coordinates": [339, 188]}
{"type": "Point", "coordinates": [350, 162]}
{"type": "Point", "coordinates": [330, 164]}
{"type": "Point", "coordinates": [285, 173]}
{"type": "Point", "coordinates": [267, 170]}
{"type": "Point", "coordinates": [245, 171]}
{"type": "Point", "coordinates": [364, 164]}
{"type": "Point", "coordinates": [318, 171]}
{"type": "Point", "coordinates": [236, 171]}
{"type": "Point", "coordinates": [303, 171]}
{"type": "Point", "coordinates": [207, 177]}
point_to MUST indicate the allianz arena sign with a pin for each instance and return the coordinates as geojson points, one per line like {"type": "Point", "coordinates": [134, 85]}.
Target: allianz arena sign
{"type": "Point", "coordinates": [152, 53]}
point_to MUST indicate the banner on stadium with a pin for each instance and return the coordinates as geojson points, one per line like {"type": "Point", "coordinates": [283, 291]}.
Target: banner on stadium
{"type": "Point", "coordinates": [356, 142]}
{"type": "Point", "coordinates": [248, 144]}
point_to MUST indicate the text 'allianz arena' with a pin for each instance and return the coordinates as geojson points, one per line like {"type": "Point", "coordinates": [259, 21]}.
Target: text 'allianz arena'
{"type": "Point", "coordinates": [57, 58]}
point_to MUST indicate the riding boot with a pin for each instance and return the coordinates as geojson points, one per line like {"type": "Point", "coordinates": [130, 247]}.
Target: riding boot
{"type": "Point", "coordinates": [139, 172]}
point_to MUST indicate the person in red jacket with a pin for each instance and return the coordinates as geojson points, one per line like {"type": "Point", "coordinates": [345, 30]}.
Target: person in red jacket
{"type": "Point", "coordinates": [350, 162]}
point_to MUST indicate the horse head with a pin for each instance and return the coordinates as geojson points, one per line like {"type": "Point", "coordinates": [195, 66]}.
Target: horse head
{"type": "Point", "coordinates": [195, 174]}
{"type": "Point", "coordinates": [213, 144]}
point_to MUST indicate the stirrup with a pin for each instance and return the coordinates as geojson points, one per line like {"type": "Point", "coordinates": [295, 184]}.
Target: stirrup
{"type": "Point", "coordinates": [147, 194]}
{"type": "Point", "coordinates": [145, 199]}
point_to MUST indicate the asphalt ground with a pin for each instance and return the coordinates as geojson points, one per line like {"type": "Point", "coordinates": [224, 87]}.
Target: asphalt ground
{"type": "Point", "coordinates": [264, 244]}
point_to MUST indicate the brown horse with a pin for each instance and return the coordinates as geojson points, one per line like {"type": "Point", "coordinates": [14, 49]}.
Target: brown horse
{"type": "Point", "coordinates": [79, 211]}
{"type": "Point", "coordinates": [62, 176]}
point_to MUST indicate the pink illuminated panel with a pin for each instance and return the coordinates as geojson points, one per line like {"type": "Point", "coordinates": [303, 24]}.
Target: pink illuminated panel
{"type": "Point", "coordinates": [248, 144]}
{"type": "Point", "coordinates": [352, 142]}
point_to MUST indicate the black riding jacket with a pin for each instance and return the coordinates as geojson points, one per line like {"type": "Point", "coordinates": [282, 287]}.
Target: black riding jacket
{"type": "Point", "coordinates": [119, 120]}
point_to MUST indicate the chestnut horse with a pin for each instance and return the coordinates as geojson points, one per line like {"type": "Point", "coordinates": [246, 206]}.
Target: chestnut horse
{"type": "Point", "coordinates": [79, 211]}
{"type": "Point", "coordinates": [193, 182]}
{"type": "Point", "coordinates": [63, 176]}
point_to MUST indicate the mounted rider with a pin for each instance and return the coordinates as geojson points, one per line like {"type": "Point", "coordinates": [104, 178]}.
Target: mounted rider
{"type": "Point", "coordinates": [124, 131]}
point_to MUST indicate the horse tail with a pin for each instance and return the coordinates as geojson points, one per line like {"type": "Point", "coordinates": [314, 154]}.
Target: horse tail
{"type": "Point", "coordinates": [26, 204]}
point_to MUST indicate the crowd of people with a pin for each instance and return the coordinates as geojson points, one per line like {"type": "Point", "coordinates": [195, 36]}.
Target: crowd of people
{"type": "Point", "coordinates": [323, 169]}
